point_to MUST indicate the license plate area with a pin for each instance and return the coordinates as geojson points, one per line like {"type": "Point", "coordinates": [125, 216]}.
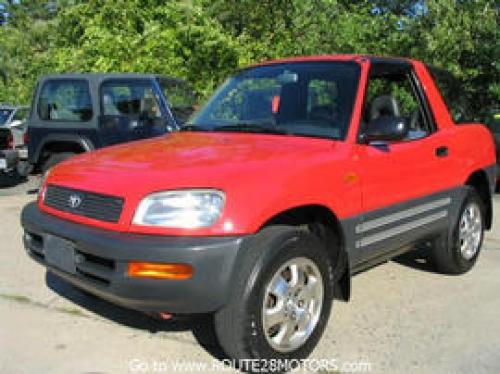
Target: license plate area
{"type": "Point", "coordinates": [60, 253]}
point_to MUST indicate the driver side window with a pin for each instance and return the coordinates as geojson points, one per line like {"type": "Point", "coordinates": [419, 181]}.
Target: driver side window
{"type": "Point", "coordinates": [129, 99]}
{"type": "Point", "coordinates": [393, 94]}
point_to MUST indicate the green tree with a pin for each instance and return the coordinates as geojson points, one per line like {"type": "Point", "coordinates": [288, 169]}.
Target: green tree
{"type": "Point", "coordinates": [173, 38]}
{"type": "Point", "coordinates": [205, 40]}
{"type": "Point", "coordinates": [464, 38]}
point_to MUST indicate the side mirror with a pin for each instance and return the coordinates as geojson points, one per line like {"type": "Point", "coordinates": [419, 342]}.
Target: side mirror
{"type": "Point", "coordinates": [385, 129]}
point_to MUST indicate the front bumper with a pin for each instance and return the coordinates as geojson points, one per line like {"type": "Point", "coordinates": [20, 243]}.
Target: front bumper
{"type": "Point", "coordinates": [8, 160]}
{"type": "Point", "coordinates": [22, 153]}
{"type": "Point", "coordinates": [102, 257]}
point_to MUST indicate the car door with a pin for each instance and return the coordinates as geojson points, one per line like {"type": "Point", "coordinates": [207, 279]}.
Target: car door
{"type": "Point", "coordinates": [130, 110]}
{"type": "Point", "coordinates": [403, 182]}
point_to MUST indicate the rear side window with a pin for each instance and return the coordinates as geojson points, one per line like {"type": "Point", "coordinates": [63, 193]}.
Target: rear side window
{"type": "Point", "coordinates": [453, 94]}
{"type": "Point", "coordinates": [65, 100]}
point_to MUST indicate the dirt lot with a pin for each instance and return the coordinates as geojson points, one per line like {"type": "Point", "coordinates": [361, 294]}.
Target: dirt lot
{"type": "Point", "coordinates": [402, 318]}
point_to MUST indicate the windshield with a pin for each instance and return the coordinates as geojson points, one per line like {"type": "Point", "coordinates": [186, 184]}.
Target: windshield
{"type": "Point", "coordinates": [4, 115]}
{"type": "Point", "coordinates": [303, 98]}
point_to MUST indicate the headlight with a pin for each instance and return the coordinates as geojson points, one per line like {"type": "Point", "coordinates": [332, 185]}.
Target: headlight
{"type": "Point", "coordinates": [186, 209]}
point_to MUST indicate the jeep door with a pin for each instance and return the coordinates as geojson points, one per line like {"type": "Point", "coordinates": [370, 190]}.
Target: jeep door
{"type": "Point", "coordinates": [130, 110]}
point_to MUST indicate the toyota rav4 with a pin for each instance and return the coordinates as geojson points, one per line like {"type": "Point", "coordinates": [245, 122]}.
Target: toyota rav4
{"type": "Point", "coordinates": [296, 175]}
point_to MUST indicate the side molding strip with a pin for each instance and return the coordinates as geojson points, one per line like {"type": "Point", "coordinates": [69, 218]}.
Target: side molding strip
{"type": "Point", "coordinates": [385, 220]}
{"type": "Point", "coordinates": [367, 240]}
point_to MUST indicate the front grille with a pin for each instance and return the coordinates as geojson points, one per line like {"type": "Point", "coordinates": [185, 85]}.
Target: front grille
{"type": "Point", "coordinates": [95, 269]}
{"type": "Point", "coordinates": [88, 204]}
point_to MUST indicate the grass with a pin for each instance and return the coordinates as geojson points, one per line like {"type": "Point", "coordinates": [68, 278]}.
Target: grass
{"type": "Point", "coordinates": [21, 299]}
{"type": "Point", "coordinates": [72, 311]}
{"type": "Point", "coordinates": [17, 298]}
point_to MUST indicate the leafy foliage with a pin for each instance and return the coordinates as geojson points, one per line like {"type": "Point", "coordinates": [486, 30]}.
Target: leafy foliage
{"type": "Point", "coordinates": [205, 40]}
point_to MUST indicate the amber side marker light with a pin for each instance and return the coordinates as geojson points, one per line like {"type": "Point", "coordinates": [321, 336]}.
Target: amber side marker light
{"type": "Point", "coordinates": [159, 271]}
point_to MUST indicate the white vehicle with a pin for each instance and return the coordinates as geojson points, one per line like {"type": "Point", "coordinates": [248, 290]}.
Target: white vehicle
{"type": "Point", "coordinates": [13, 139]}
{"type": "Point", "coordinates": [15, 119]}
{"type": "Point", "coordinates": [8, 156]}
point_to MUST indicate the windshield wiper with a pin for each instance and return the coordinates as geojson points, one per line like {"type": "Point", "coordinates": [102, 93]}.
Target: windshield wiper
{"type": "Point", "coordinates": [189, 127]}
{"type": "Point", "coordinates": [251, 127]}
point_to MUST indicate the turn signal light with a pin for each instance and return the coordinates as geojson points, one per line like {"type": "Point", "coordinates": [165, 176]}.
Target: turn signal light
{"type": "Point", "coordinates": [159, 271]}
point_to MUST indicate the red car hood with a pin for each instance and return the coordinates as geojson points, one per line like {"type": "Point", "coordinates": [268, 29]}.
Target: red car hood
{"type": "Point", "coordinates": [187, 159]}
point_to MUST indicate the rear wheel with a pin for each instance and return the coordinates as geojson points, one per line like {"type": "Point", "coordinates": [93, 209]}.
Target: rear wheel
{"type": "Point", "coordinates": [468, 236]}
{"type": "Point", "coordinates": [281, 301]}
{"type": "Point", "coordinates": [56, 158]}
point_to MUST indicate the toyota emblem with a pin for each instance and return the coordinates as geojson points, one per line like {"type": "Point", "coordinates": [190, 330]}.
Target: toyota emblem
{"type": "Point", "coordinates": [74, 201]}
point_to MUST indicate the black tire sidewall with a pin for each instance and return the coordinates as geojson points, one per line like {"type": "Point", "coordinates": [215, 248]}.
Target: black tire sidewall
{"type": "Point", "coordinates": [291, 246]}
{"type": "Point", "coordinates": [460, 262]}
{"type": "Point", "coordinates": [54, 159]}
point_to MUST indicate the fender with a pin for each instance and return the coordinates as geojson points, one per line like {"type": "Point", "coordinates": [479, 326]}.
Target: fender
{"type": "Point", "coordinates": [82, 141]}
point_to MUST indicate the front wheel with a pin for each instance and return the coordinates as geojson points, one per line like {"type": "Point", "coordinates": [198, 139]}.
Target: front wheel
{"type": "Point", "coordinates": [281, 301]}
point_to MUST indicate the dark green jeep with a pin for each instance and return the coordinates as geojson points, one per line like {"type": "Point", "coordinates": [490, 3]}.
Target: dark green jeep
{"type": "Point", "coordinates": [75, 113]}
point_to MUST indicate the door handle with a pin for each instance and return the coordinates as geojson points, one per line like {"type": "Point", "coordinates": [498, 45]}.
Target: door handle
{"type": "Point", "coordinates": [442, 151]}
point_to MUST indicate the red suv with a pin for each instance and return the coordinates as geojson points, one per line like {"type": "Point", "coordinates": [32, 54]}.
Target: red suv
{"type": "Point", "coordinates": [297, 174]}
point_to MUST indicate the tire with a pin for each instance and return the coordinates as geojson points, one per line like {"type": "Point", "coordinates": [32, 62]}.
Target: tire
{"type": "Point", "coordinates": [54, 159]}
{"type": "Point", "coordinates": [24, 168]}
{"type": "Point", "coordinates": [457, 257]}
{"type": "Point", "coordinates": [239, 325]}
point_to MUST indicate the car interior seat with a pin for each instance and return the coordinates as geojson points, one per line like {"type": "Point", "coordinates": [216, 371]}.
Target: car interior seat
{"type": "Point", "coordinates": [384, 105]}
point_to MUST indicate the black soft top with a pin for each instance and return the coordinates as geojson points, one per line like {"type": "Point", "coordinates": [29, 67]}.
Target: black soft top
{"type": "Point", "coordinates": [98, 77]}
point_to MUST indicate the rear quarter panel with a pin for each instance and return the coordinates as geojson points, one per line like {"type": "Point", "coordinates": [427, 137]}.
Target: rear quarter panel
{"type": "Point", "coordinates": [473, 147]}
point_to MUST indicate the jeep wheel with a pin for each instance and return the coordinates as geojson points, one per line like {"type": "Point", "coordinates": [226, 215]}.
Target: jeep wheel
{"type": "Point", "coordinates": [55, 159]}
{"type": "Point", "coordinates": [467, 238]}
{"type": "Point", "coordinates": [281, 301]}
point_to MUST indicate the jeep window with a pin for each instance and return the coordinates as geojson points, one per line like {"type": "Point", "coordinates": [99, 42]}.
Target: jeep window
{"type": "Point", "coordinates": [133, 99]}
{"type": "Point", "coordinates": [452, 92]}
{"type": "Point", "coordinates": [303, 98]}
{"type": "Point", "coordinates": [65, 100]}
{"type": "Point", "coordinates": [4, 115]}
{"type": "Point", "coordinates": [180, 97]}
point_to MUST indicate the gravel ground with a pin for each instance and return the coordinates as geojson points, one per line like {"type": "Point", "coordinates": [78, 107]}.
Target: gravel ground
{"type": "Point", "coordinates": [402, 318]}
